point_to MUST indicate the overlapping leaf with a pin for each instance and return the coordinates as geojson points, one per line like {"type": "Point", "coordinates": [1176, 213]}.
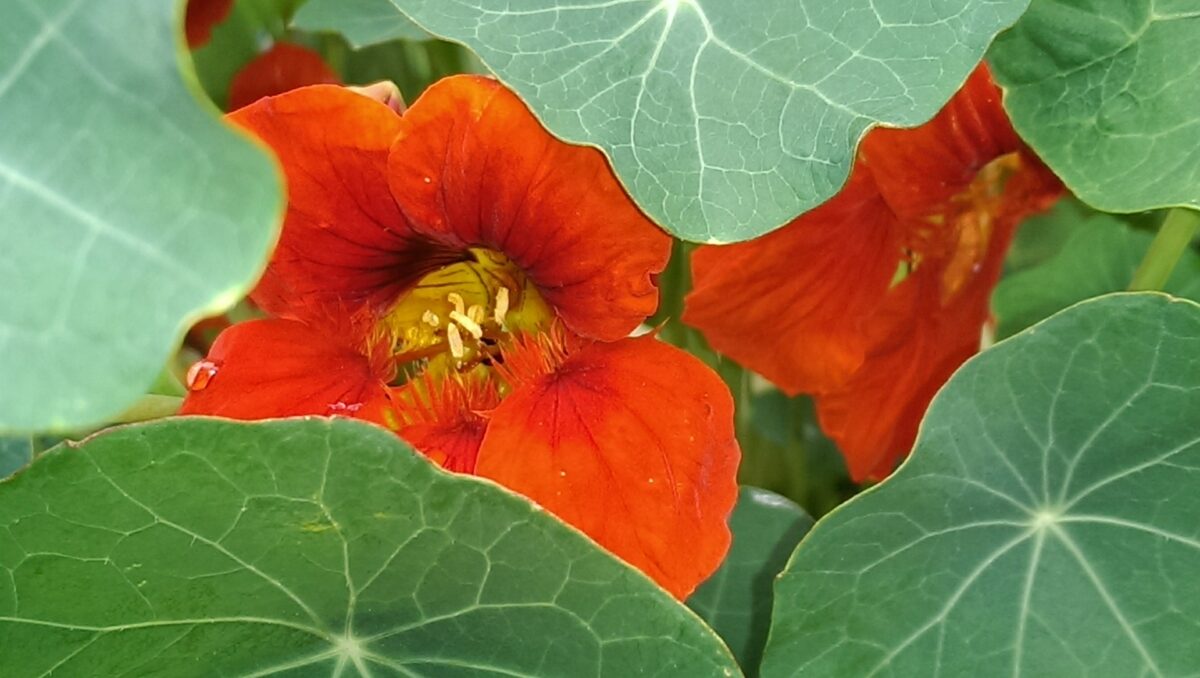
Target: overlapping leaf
{"type": "Point", "coordinates": [1094, 254]}
{"type": "Point", "coordinates": [362, 22]}
{"type": "Point", "coordinates": [310, 547]}
{"type": "Point", "coordinates": [128, 211]}
{"type": "Point", "coordinates": [1045, 524]}
{"type": "Point", "coordinates": [1108, 93]}
{"type": "Point", "coordinates": [725, 119]}
{"type": "Point", "coordinates": [736, 600]}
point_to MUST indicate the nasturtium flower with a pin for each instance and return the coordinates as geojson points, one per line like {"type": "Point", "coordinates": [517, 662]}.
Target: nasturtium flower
{"type": "Point", "coordinates": [873, 299]}
{"type": "Point", "coordinates": [200, 17]}
{"type": "Point", "coordinates": [460, 276]}
{"type": "Point", "coordinates": [282, 68]}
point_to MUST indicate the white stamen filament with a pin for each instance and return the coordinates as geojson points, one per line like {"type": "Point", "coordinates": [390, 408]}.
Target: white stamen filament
{"type": "Point", "coordinates": [467, 324]}
{"type": "Point", "coordinates": [455, 339]}
{"type": "Point", "coordinates": [501, 309]}
{"type": "Point", "coordinates": [430, 318]}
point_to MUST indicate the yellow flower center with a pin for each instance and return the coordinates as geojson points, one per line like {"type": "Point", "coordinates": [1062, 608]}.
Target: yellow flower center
{"type": "Point", "coordinates": [458, 316]}
{"type": "Point", "coordinates": [979, 203]}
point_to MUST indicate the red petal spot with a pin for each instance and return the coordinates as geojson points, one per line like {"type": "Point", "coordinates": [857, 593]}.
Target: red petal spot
{"type": "Point", "coordinates": [201, 17]}
{"type": "Point", "coordinates": [345, 244]}
{"type": "Point", "coordinates": [280, 69]}
{"type": "Point", "coordinates": [473, 167]}
{"type": "Point", "coordinates": [281, 368]}
{"type": "Point", "coordinates": [813, 306]}
{"type": "Point", "coordinates": [593, 443]}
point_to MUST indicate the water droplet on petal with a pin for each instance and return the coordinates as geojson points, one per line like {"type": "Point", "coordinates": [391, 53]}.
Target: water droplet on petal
{"type": "Point", "coordinates": [201, 374]}
{"type": "Point", "coordinates": [342, 409]}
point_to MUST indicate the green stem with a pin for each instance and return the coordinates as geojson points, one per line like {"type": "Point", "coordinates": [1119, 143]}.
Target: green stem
{"type": "Point", "coordinates": [673, 284]}
{"type": "Point", "coordinates": [149, 407]}
{"type": "Point", "coordinates": [1173, 239]}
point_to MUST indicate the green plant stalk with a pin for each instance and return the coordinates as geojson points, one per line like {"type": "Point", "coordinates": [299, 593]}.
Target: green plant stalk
{"type": "Point", "coordinates": [1173, 238]}
{"type": "Point", "coordinates": [151, 406]}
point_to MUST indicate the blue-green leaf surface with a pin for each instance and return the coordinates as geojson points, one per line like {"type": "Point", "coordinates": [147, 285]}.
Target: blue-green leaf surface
{"type": "Point", "coordinates": [725, 119]}
{"type": "Point", "coordinates": [1045, 524]}
{"type": "Point", "coordinates": [128, 209]}
{"type": "Point", "coordinates": [203, 547]}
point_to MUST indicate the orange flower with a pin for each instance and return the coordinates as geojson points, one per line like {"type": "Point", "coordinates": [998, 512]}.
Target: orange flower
{"type": "Point", "coordinates": [200, 18]}
{"type": "Point", "coordinates": [873, 299]}
{"type": "Point", "coordinates": [280, 69]}
{"type": "Point", "coordinates": [462, 277]}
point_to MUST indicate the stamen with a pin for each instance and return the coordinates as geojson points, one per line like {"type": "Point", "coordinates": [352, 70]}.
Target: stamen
{"type": "Point", "coordinates": [467, 324]}
{"type": "Point", "coordinates": [501, 309]}
{"type": "Point", "coordinates": [455, 339]}
{"type": "Point", "coordinates": [475, 313]}
{"type": "Point", "coordinates": [456, 299]}
{"type": "Point", "coordinates": [430, 318]}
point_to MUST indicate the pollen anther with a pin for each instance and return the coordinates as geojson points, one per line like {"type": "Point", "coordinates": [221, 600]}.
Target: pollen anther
{"type": "Point", "coordinates": [430, 318]}
{"type": "Point", "coordinates": [456, 299]}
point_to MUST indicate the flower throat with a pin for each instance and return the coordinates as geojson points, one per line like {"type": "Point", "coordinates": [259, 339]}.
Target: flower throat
{"type": "Point", "coordinates": [460, 316]}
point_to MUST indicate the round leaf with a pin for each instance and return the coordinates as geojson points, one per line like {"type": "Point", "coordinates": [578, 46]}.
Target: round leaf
{"type": "Point", "coordinates": [361, 22]}
{"type": "Point", "coordinates": [1107, 92]}
{"type": "Point", "coordinates": [723, 119]}
{"type": "Point", "coordinates": [129, 210]}
{"type": "Point", "coordinates": [736, 600]}
{"type": "Point", "coordinates": [1045, 524]}
{"type": "Point", "coordinates": [310, 547]}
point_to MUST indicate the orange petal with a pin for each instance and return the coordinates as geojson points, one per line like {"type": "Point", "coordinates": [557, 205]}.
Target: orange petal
{"type": "Point", "coordinates": [201, 17]}
{"type": "Point", "coordinates": [790, 305]}
{"type": "Point", "coordinates": [935, 207]}
{"type": "Point", "coordinates": [345, 244]}
{"type": "Point", "coordinates": [930, 324]}
{"type": "Point", "coordinates": [874, 415]}
{"type": "Point", "coordinates": [445, 420]}
{"type": "Point", "coordinates": [282, 368]}
{"type": "Point", "coordinates": [473, 167]}
{"type": "Point", "coordinates": [919, 169]}
{"type": "Point", "coordinates": [282, 68]}
{"type": "Point", "coordinates": [632, 443]}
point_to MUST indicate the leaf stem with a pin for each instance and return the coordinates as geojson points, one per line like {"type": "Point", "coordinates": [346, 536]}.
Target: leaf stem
{"type": "Point", "coordinates": [1173, 238]}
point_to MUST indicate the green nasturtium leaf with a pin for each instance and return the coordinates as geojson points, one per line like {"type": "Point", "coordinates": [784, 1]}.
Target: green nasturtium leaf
{"type": "Point", "coordinates": [1108, 93]}
{"type": "Point", "coordinates": [361, 22]}
{"type": "Point", "coordinates": [725, 119]}
{"type": "Point", "coordinates": [310, 547]}
{"type": "Point", "coordinates": [1045, 524]}
{"type": "Point", "coordinates": [128, 210]}
{"type": "Point", "coordinates": [1098, 254]}
{"type": "Point", "coordinates": [736, 600]}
